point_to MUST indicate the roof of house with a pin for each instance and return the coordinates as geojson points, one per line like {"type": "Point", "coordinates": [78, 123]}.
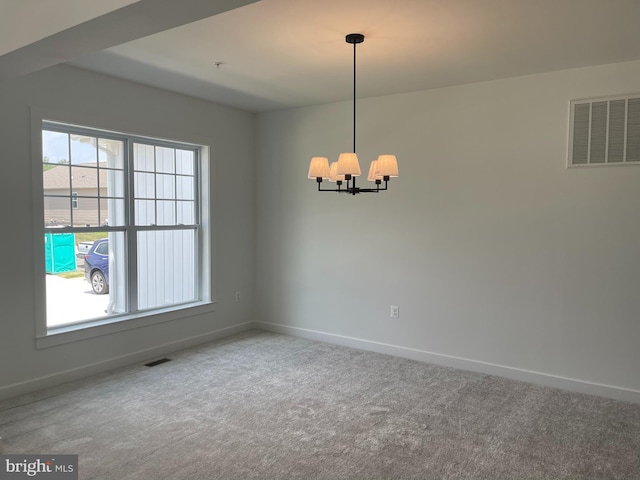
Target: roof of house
{"type": "Point", "coordinates": [82, 176]}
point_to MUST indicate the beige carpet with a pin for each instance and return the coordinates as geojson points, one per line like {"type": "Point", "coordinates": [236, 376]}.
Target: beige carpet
{"type": "Point", "coordinates": [261, 405]}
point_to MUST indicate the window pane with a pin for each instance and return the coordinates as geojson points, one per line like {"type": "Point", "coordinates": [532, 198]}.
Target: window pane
{"type": "Point", "coordinates": [185, 190]}
{"type": "Point", "coordinates": [144, 185]}
{"type": "Point", "coordinates": [184, 162]}
{"type": "Point", "coordinates": [57, 211]}
{"type": "Point", "coordinates": [55, 147]}
{"type": "Point", "coordinates": [83, 150]}
{"type": "Point", "coordinates": [166, 268]}
{"type": "Point", "coordinates": [83, 284]}
{"type": "Point", "coordinates": [166, 212]}
{"type": "Point", "coordinates": [112, 212]}
{"type": "Point", "coordinates": [186, 213]}
{"type": "Point", "coordinates": [145, 212]}
{"type": "Point", "coordinates": [111, 153]}
{"type": "Point", "coordinates": [84, 180]}
{"type": "Point", "coordinates": [165, 162]}
{"type": "Point", "coordinates": [114, 181]}
{"type": "Point", "coordinates": [165, 186]}
{"type": "Point", "coordinates": [87, 214]}
{"type": "Point", "coordinates": [143, 157]}
{"type": "Point", "coordinates": [56, 179]}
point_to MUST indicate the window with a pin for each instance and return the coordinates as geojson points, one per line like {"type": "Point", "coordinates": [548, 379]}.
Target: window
{"type": "Point", "coordinates": [123, 226]}
{"type": "Point", "coordinates": [102, 249]}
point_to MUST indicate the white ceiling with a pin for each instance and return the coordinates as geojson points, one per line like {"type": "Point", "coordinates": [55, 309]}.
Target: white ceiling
{"type": "Point", "coordinates": [26, 21]}
{"type": "Point", "coordinates": [81, 38]}
{"type": "Point", "coordinates": [288, 53]}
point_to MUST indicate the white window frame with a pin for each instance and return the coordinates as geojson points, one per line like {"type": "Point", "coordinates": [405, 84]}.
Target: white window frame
{"type": "Point", "coordinates": [46, 337]}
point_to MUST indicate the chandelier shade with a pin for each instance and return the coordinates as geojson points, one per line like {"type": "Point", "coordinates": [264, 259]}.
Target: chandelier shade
{"type": "Point", "coordinates": [319, 167]}
{"type": "Point", "coordinates": [347, 168]}
{"type": "Point", "coordinates": [387, 165]}
{"type": "Point", "coordinates": [374, 172]}
{"type": "Point", "coordinates": [333, 173]}
{"type": "Point", "coordinates": [348, 165]}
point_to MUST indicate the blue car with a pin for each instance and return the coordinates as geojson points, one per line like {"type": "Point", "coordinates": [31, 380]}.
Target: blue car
{"type": "Point", "coordinates": [96, 266]}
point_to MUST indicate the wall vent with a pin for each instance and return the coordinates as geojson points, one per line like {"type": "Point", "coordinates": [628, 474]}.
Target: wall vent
{"type": "Point", "coordinates": [605, 131]}
{"type": "Point", "coordinates": [157, 362]}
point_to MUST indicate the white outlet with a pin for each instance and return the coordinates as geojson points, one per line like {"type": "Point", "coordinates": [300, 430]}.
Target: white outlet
{"type": "Point", "coordinates": [395, 311]}
{"type": "Point", "coordinates": [237, 296]}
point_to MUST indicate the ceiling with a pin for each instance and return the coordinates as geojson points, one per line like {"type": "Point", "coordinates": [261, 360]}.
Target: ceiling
{"type": "Point", "coordinates": [46, 18]}
{"type": "Point", "coordinates": [277, 54]}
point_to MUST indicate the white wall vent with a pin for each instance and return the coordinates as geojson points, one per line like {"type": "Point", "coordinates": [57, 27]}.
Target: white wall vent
{"type": "Point", "coordinates": [605, 131]}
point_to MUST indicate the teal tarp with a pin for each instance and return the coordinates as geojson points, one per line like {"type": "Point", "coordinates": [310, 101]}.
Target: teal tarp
{"type": "Point", "coordinates": [60, 252]}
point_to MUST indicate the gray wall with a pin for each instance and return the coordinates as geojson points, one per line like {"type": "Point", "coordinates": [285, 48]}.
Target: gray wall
{"type": "Point", "coordinates": [149, 110]}
{"type": "Point", "coordinates": [496, 253]}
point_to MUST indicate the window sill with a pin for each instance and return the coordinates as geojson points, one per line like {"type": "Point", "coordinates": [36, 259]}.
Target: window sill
{"type": "Point", "coordinates": [107, 326]}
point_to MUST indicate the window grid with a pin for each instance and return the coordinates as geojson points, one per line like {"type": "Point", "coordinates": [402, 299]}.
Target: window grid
{"type": "Point", "coordinates": [168, 203]}
{"type": "Point", "coordinates": [95, 168]}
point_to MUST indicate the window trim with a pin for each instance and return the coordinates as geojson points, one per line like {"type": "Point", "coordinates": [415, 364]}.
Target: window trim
{"type": "Point", "coordinates": [46, 337]}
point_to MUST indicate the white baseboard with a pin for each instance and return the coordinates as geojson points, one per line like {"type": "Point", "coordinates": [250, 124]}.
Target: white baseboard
{"type": "Point", "coordinates": [121, 361]}
{"type": "Point", "coordinates": [547, 380]}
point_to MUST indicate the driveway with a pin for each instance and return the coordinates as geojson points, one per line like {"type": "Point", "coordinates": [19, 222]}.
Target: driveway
{"type": "Point", "coordinates": [72, 300]}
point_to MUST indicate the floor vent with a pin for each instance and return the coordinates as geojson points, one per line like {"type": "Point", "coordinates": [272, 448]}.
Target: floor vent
{"type": "Point", "coordinates": [605, 131]}
{"type": "Point", "coordinates": [157, 362]}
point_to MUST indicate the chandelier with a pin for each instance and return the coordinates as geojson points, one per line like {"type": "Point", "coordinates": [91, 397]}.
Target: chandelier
{"type": "Point", "coordinates": [347, 168]}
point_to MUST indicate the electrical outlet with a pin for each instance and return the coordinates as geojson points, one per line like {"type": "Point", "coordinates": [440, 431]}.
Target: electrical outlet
{"type": "Point", "coordinates": [395, 311]}
{"type": "Point", "coordinates": [237, 296]}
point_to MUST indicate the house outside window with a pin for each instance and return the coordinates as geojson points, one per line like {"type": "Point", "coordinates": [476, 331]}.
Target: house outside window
{"type": "Point", "coordinates": [144, 196]}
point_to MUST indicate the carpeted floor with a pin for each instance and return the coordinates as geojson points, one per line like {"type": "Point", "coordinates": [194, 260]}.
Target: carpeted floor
{"type": "Point", "coordinates": [261, 405]}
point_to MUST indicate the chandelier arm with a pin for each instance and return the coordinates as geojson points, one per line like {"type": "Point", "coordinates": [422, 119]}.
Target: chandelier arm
{"type": "Point", "coordinates": [330, 189]}
{"type": "Point", "coordinates": [338, 190]}
{"type": "Point", "coordinates": [353, 191]}
{"type": "Point", "coordinates": [374, 190]}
